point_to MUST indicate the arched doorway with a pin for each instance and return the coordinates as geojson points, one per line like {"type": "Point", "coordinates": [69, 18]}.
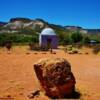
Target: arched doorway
{"type": "Point", "coordinates": [49, 44]}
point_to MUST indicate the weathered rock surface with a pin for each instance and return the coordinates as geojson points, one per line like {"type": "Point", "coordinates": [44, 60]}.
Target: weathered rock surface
{"type": "Point", "coordinates": [55, 77]}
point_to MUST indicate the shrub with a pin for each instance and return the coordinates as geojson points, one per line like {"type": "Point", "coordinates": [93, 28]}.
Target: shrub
{"type": "Point", "coordinates": [74, 51]}
{"type": "Point", "coordinates": [34, 46]}
{"type": "Point", "coordinates": [8, 44]}
{"type": "Point", "coordinates": [69, 48]}
{"type": "Point", "coordinates": [18, 38]}
{"type": "Point", "coordinates": [86, 40]}
{"type": "Point", "coordinates": [76, 37]}
{"type": "Point", "coordinates": [96, 49]}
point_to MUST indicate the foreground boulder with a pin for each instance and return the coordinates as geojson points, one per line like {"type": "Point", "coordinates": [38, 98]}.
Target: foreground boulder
{"type": "Point", "coordinates": [55, 77]}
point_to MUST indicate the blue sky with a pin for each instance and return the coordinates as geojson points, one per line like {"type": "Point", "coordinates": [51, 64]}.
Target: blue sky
{"type": "Point", "coordinates": [85, 13]}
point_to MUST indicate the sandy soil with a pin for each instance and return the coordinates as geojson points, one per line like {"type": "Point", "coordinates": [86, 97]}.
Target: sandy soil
{"type": "Point", "coordinates": [17, 77]}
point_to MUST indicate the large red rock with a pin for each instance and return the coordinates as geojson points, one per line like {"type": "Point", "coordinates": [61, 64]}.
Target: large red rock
{"type": "Point", "coordinates": [55, 77]}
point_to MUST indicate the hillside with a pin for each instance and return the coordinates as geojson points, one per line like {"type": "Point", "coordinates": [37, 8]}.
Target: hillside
{"type": "Point", "coordinates": [17, 25]}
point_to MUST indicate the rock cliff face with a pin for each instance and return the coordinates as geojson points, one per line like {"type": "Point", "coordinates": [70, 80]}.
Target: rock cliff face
{"type": "Point", "coordinates": [55, 77]}
{"type": "Point", "coordinates": [20, 23]}
{"type": "Point", "coordinates": [16, 24]}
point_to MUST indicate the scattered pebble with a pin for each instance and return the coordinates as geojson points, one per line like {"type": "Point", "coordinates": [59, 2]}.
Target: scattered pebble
{"type": "Point", "coordinates": [34, 94]}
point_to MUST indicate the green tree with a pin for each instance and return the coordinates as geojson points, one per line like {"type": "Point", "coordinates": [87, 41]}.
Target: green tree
{"type": "Point", "coordinates": [76, 37]}
{"type": "Point", "coordinates": [18, 38]}
{"type": "Point", "coordinates": [95, 37]}
{"type": "Point", "coordinates": [86, 39]}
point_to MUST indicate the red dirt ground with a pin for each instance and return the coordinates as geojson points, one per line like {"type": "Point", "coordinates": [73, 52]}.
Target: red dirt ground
{"type": "Point", "coordinates": [17, 77]}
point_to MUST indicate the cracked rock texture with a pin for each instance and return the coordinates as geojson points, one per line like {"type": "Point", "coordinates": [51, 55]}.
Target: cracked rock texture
{"type": "Point", "coordinates": [55, 77]}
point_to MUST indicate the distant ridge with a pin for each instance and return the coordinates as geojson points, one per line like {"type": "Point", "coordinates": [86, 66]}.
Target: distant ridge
{"type": "Point", "coordinates": [93, 31]}
{"type": "Point", "coordinates": [16, 24]}
{"type": "Point", "coordinates": [3, 23]}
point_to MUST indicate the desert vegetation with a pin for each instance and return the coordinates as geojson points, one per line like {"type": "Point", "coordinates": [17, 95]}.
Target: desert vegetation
{"type": "Point", "coordinates": [18, 38]}
{"type": "Point", "coordinates": [17, 68]}
{"type": "Point", "coordinates": [72, 41]}
{"type": "Point", "coordinates": [65, 37]}
{"type": "Point", "coordinates": [26, 31]}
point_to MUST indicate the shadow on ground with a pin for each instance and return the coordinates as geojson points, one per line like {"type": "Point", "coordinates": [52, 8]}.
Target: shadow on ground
{"type": "Point", "coordinates": [74, 95]}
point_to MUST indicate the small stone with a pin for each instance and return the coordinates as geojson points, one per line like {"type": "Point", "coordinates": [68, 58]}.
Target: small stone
{"type": "Point", "coordinates": [34, 94]}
